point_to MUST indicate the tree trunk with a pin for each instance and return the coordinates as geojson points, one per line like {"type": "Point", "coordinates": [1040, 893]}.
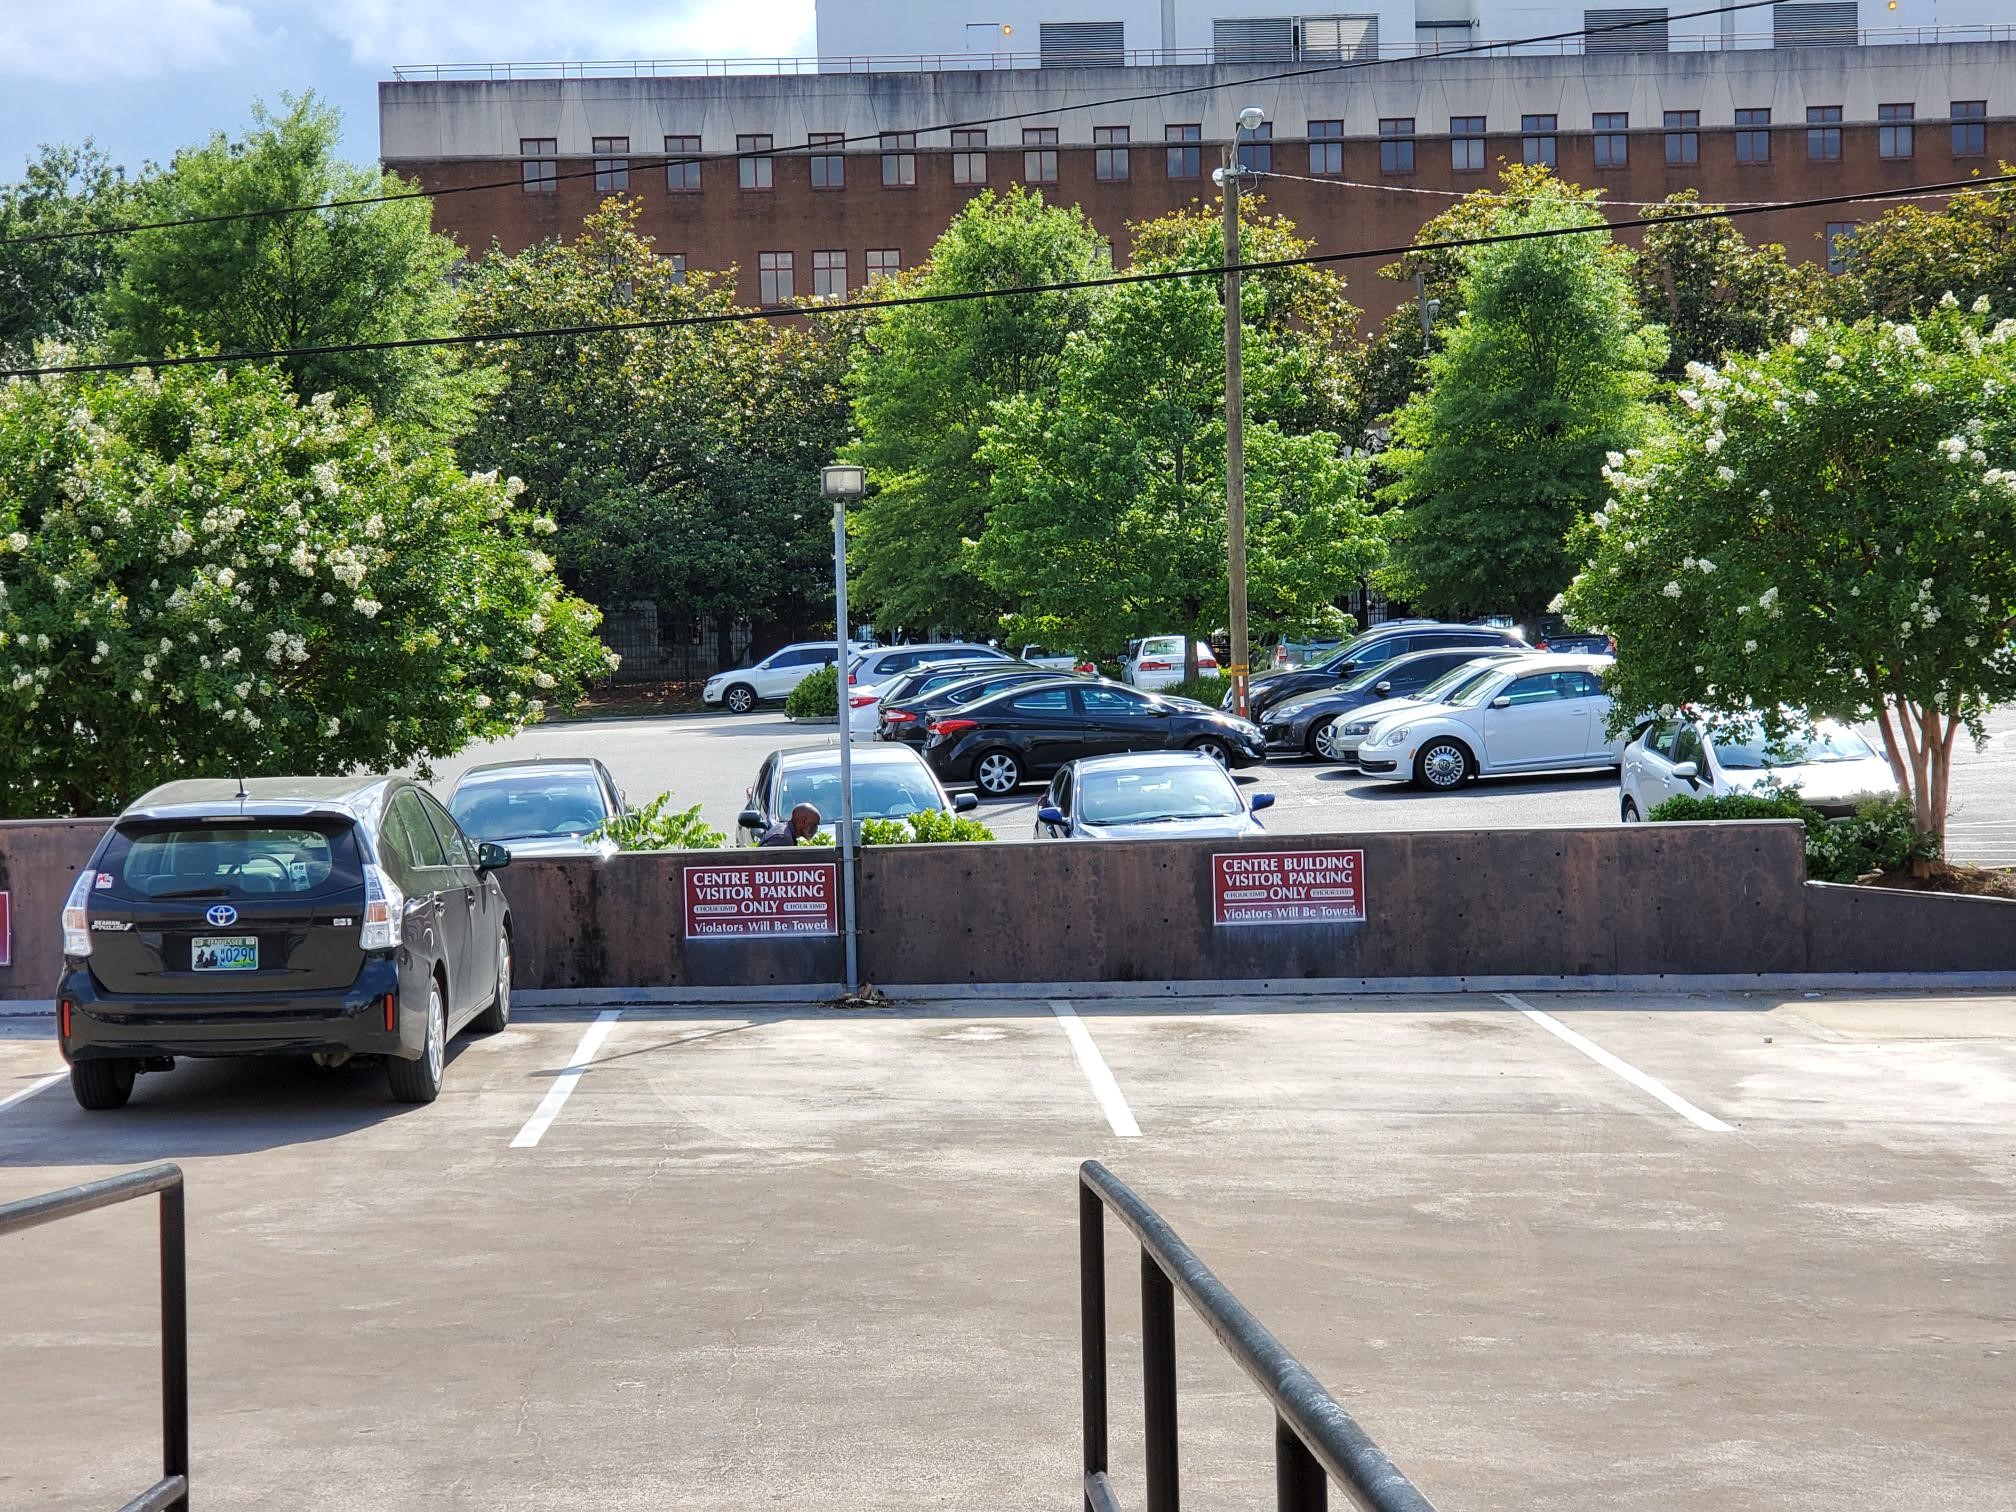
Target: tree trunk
{"type": "Point", "coordinates": [1919, 741]}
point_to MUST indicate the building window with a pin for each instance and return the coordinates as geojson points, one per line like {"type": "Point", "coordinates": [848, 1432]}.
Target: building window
{"type": "Point", "coordinates": [1753, 146]}
{"type": "Point", "coordinates": [1466, 144]}
{"type": "Point", "coordinates": [884, 262]}
{"type": "Point", "coordinates": [1039, 166]}
{"type": "Point", "coordinates": [1184, 162]}
{"type": "Point", "coordinates": [754, 171]}
{"type": "Point", "coordinates": [829, 169]}
{"type": "Point", "coordinates": [1256, 149]}
{"type": "Point", "coordinates": [682, 173]}
{"type": "Point", "coordinates": [1839, 235]}
{"type": "Point", "coordinates": [1895, 133]}
{"type": "Point", "coordinates": [1970, 130]}
{"type": "Point", "coordinates": [1326, 147]}
{"type": "Point", "coordinates": [1109, 156]}
{"type": "Point", "coordinates": [1823, 133]}
{"type": "Point", "coordinates": [1683, 138]}
{"type": "Point", "coordinates": [678, 262]}
{"type": "Point", "coordinates": [1538, 146]}
{"type": "Point", "coordinates": [899, 159]}
{"type": "Point", "coordinates": [1396, 144]}
{"type": "Point", "coordinates": [1610, 144]}
{"type": "Point", "coordinates": [969, 161]}
{"type": "Point", "coordinates": [774, 279]}
{"type": "Point", "coordinates": [540, 172]}
{"type": "Point", "coordinates": [612, 174]}
{"type": "Point", "coordinates": [829, 274]}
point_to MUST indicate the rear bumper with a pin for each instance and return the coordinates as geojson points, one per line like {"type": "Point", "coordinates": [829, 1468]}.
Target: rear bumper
{"type": "Point", "coordinates": [352, 1019]}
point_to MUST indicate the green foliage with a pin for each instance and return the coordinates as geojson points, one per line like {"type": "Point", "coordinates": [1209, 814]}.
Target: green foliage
{"type": "Point", "coordinates": [1827, 527]}
{"type": "Point", "coordinates": [50, 290]}
{"type": "Point", "coordinates": [199, 574]}
{"type": "Point", "coordinates": [924, 387]}
{"type": "Point", "coordinates": [1205, 689]}
{"type": "Point", "coordinates": [1903, 263]}
{"type": "Point", "coordinates": [1714, 292]}
{"type": "Point", "coordinates": [1547, 369]}
{"type": "Point", "coordinates": [1879, 838]}
{"type": "Point", "coordinates": [817, 696]}
{"type": "Point", "coordinates": [929, 827]}
{"type": "Point", "coordinates": [653, 828]}
{"type": "Point", "coordinates": [1737, 806]}
{"type": "Point", "coordinates": [359, 273]}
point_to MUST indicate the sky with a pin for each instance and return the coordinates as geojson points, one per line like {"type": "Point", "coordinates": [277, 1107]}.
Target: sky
{"type": "Point", "coordinates": [144, 77]}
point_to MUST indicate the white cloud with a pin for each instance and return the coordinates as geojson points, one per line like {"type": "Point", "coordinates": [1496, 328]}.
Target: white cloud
{"type": "Point", "coordinates": [83, 41]}
{"type": "Point", "coordinates": [380, 33]}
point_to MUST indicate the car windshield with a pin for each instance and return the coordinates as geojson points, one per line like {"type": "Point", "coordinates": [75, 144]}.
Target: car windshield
{"type": "Point", "coordinates": [1760, 753]}
{"type": "Point", "coordinates": [229, 861]}
{"type": "Point", "coordinates": [1157, 795]}
{"type": "Point", "coordinates": [1480, 687]}
{"type": "Point", "coordinates": [1451, 682]}
{"type": "Point", "coordinates": [526, 806]}
{"type": "Point", "coordinates": [880, 792]}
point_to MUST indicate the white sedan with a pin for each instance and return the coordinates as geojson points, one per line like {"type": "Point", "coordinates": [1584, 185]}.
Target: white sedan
{"type": "Point", "coordinates": [1834, 769]}
{"type": "Point", "coordinates": [1539, 713]}
{"type": "Point", "coordinates": [1157, 662]}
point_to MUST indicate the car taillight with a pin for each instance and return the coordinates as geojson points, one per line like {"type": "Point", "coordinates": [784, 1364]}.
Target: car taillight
{"type": "Point", "coordinates": [898, 716]}
{"type": "Point", "coordinates": [852, 679]}
{"type": "Point", "coordinates": [1543, 644]}
{"type": "Point", "coordinates": [1154, 666]}
{"type": "Point", "coordinates": [384, 910]}
{"type": "Point", "coordinates": [76, 926]}
{"type": "Point", "coordinates": [1613, 645]}
{"type": "Point", "coordinates": [953, 726]}
{"type": "Point", "coordinates": [862, 700]}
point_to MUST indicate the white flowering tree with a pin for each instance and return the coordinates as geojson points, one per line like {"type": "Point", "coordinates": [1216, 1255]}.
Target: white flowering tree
{"type": "Point", "coordinates": [1826, 529]}
{"type": "Point", "coordinates": [202, 575]}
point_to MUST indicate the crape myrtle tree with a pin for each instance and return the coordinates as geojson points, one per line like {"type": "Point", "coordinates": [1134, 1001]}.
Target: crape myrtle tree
{"type": "Point", "coordinates": [200, 574]}
{"type": "Point", "coordinates": [1828, 528]}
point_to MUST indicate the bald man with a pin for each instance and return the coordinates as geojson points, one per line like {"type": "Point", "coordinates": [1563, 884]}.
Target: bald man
{"type": "Point", "coordinates": [802, 825]}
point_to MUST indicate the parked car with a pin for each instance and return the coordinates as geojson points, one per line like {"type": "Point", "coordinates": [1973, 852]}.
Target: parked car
{"type": "Point", "coordinates": [917, 697]}
{"type": "Point", "coordinates": [1551, 632]}
{"type": "Point", "coordinates": [1834, 769]}
{"type": "Point", "coordinates": [1538, 713]}
{"type": "Point", "coordinates": [1306, 724]}
{"type": "Point", "coordinates": [1043, 656]}
{"type": "Point", "coordinates": [1150, 795]}
{"type": "Point", "coordinates": [334, 916]}
{"type": "Point", "coordinates": [890, 782]}
{"type": "Point", "coordinates": [771, 679]}
{"type": "Point", "coordinates": [1347, 734]}
{"type": "Point", "coordinates": [998, 742]}
{"type": "Point", "coordinates": [546, 807]}
{"type": "Point", "coordinates": [1157, 662]}
{"type": "Point", "coordinates": [1289, 654]}
{"type": "Point", "coordinates": [871, 674]}
{"type": "Point", "coordinates": [1374, 648]}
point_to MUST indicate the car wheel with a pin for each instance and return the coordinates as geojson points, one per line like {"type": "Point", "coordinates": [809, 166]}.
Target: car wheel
{"type": "Point", "coordinates": [101, 1085]}
{"type": "Point", "coordinates": [498, 1015]}
{"type": "Point", "coordinates": [1216, 750]}
{"type": "Point", "coordinates": [1442, 765]}
{"type": "Point", "coordinates": [1630, 812]}
{"type": "Point", "coordinates": [739, 699]}
{"type": "Point", "coordinates": [997, 774]}
{"type": "Point", "coordinates": [419, 1081]}
{"type": "Point", "coordinates": [1323, 740]}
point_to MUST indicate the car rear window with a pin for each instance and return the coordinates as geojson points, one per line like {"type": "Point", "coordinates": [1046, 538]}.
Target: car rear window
{"type": "Point", "coordinates": [230, 861]}
{"type": "Point", "coordinates": [526, 806]}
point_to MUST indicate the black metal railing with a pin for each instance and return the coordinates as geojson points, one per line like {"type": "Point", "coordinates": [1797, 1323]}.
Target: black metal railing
{"type": "Point", "coordinates": [171, 1492]}
{"type": "Point", "coordinates": [1315, 1440]}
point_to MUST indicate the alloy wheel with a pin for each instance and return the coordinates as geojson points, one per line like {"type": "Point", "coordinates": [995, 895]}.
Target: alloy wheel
{"type": "Point", "coordinates": [437, 1032]}
{"type": "Point", "coordinates": [1326, 740]}
{"type": "Point", "coordinates": [1443, 765]}
{"type": "Point", "coordinates": [997, 774]}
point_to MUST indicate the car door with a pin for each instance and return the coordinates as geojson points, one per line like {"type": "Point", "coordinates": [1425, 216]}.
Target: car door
{"type": "Point", "coordinates": [1046, 726]}
{"type": "Point", "coordinates": [758, 799]}
{"type": "Point", "coordinates": [1059, 798]}
{"type": "Point", "coordinates": [433, 901]}
{"type": "Point", "coordinates": [1688, 746]}
{"type": "Point", "coordinates": [776, 674]}
{"type": "Point", "coordinates": [485, 901]}
{"type": "Point", "coordinates": [1647, 760]}
{"type": "Point", "coordinates": [1119, 720]}
{"type": "Point", "coordinates": [1531, 724]}
{"type": "Point", "coordinates": [1588, 688]}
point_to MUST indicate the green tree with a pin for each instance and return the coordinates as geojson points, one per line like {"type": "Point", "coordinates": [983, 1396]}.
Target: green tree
{"type": "Point", "coordinates": [1828, 529]}
{"type": "Point", "coordinates": [362, 273]}
{"type": "Point", "coordinates": [1714, 292]}
{"type": "Point", "coordinates": [201, 574]}
{"type": "Point", "coordinates": [1546, 369]}
{"type": "Point", "coordinates": [924, 386]}
{"type": "Point", "coordinates": [1902, 263]}
{"type": "Point", "coordinates": [50, 290]}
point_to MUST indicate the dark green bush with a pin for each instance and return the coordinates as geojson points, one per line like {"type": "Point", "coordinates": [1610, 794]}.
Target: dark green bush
{"type": "Point", "coordinates": [1879, 838]}
{"type": "Point", "coordinates": [927, 828]}
{"type": "Point", "coordinates": [1208, 689]}
{"type": "Point", "coordinates": [817, 697]}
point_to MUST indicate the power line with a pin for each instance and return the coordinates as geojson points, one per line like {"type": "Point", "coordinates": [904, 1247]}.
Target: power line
{"type": "Point", "coordinates": [1160, 275]}
{"type": "Point", "coordinates": [814, 148]}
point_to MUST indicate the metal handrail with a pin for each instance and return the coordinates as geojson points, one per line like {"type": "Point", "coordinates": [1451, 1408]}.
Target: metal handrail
{"type": "Point", "coordinates": [171, 1492]}
{"type": "Point", "coordinates": [1315, 1440]}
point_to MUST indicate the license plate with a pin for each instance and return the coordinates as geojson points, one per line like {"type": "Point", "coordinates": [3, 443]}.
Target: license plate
{"type": "Point", "coordinates": [225, 953]}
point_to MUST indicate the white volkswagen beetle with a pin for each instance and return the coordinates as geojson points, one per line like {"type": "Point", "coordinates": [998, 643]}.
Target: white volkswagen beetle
{"type": "Point", "coordinates": [1541, 713]}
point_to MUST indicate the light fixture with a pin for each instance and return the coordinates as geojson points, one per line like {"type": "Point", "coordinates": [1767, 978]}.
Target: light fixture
{"type": "Point", "coordinates": [1218, 178]}
{"type": "Point", "coordinates": [1251, 117]}
{"type": "Point", "coordinates": [843, 481]}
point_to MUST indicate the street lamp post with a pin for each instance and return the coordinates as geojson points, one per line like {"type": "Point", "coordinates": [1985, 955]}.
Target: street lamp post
{"type": "Point", "coordinates": [1235, 411]}
{"type": "Point", "coordinates": [841, 483]}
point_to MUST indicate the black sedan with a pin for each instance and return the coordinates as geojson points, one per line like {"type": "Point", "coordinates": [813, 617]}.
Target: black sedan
{"type": "Point", "coordinates": [1375, 648]}
{"type": "Point", "coordinates": [910, 705]}
{"type": "Point", "coordinates": [1303, 724]}
{"type": "Point", "coordinates": [998, 742]}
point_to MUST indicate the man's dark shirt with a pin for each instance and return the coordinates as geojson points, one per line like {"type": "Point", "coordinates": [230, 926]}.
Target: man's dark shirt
{"type": "Point", "coordinates": [779, 834]}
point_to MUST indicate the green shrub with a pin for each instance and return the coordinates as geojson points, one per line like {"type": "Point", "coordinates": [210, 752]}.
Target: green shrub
{"type": "Point", "coordinates": [817, 697]}
{"type": "Point", "coordinates": [1208, 689]}
{"type": "Point", "coordinates": [928, 828]}
{"type": "Point", "coordinates": [651, 828]}
{"type": "Point", "coordinates": [1736, 806]}
{"type": "Point", "coordinates": [1879, 838]}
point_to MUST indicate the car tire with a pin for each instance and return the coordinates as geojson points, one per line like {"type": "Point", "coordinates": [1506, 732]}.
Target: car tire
{"type": "Point", "coordinates": [1443, 765]}
{"type": "Point", "coordinates": [101, 1085]}
{"type": "Point", "coordinates": [1217, 750]}
{"type": "Point", "coordinates": [419, 1081]}
{"type": "Point", "coordinates": [739, 699]}
{"type": "Point", "coordinates": [1323, 740]}
{"type": "Point", "coordinates": [1630, 815]}
{"type": "Point", "coordinates": [997, 773]}
{"type": "Point", "coordinates": [497, 1017]}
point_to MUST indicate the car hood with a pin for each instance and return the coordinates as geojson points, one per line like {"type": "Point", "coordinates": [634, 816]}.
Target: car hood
{"type": "Point", "coordinates": [1823, 781]}
{"type": "Point", "coordinates": [1230, 827]}
{"type": "Point", "coordinates": [539, 846]}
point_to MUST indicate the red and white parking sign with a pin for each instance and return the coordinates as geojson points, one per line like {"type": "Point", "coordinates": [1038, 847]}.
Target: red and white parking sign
{"type": "Point", "coordinates": [744, 900]}
{"type": "Point", "coordinates": [1288, 887]}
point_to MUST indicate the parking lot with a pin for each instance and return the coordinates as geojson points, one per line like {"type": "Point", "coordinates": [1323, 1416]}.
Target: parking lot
{"type": "Point", "coordinates": [1591, 1253]}
{"type": "Point", "coordinates": [711, 760]}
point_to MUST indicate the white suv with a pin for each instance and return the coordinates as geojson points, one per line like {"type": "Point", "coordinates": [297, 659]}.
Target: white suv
{"type": "Point", "coordinates": [772, 678]}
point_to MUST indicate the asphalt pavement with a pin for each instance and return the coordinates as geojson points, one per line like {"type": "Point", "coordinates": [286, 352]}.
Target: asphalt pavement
{"type": "Point", "coordinates": [712, 760]}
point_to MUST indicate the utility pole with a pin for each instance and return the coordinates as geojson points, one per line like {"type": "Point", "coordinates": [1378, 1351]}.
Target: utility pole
{"type": "Point", "coordinates": [1235, 415]}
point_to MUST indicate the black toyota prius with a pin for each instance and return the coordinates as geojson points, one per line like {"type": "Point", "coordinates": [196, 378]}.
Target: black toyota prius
{"type": "Point", "coordinates": [338, 917]}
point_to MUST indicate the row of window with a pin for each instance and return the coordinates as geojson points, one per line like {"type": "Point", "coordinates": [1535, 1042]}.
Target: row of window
{"type": "Point", "coordinates": [777, 273]}
{"type": "Point", "coordinates": [1184, 150]}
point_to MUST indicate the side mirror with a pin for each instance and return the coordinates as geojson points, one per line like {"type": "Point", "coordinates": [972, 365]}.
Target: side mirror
{"type": "Point", "coordinates": [490, 856]}
{"type": "Point", "coordinates": [750, 819]}
{"type": "Point", "coordinates": [1382, 688]}
{"type": "Point", "coordinates": [1688, 771]}
{"type": "Point", "coordinates": [1502, 701]}
{"type": "Point", "coordinates": [1048, 815]}
{"type": "Point", "coordinates": [1260, 801]}
{"type": "Point", "coordinates": [965, 803]}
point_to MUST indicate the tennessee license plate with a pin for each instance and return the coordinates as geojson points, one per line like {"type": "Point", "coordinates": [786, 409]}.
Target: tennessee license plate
{"type": "Point", "coordinates": [225, 953]}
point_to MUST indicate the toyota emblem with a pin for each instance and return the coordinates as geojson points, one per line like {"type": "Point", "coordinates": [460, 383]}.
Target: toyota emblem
{"type": "Point", "coordinates": [222, 914]}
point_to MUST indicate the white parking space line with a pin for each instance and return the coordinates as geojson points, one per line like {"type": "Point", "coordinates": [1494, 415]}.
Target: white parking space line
{"type": "Point", "coordinates": [27, 1092]}
{"type": "Point", "coordinates": [1118, 1116]}
{"type": "Point", "coordinates": [563, 1085]}
{"type": "Point", "coordinates": [1623, 1068]}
